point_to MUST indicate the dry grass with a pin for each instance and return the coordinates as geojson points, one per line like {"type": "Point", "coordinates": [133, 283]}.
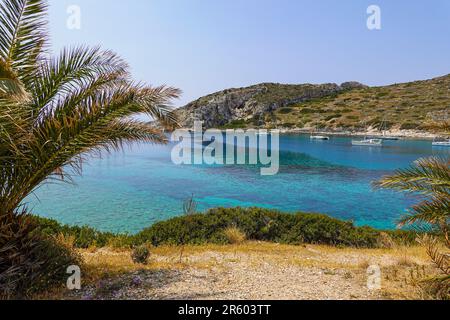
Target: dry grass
{"type": "Point", "coordinates": [235, 236]}
{"type": "Point", "coordinates": [205, 256]}
{"type": "Point", "coordinates": [402, 268]}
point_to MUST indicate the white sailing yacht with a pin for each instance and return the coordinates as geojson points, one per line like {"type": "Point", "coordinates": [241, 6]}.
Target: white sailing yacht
{"type": "Point", "coordinates": [315, 136]}
{"type": "Point", "coordinates": [444, 143]}
{"type": "Point", "coordinates": [368, 142]}
{"type": "Point", "coordinates": [318, 137]}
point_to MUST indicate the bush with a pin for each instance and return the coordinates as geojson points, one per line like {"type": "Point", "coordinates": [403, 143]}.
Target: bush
{"type": "Point", "coordinates": [259, 224]}
{"type": "Point", "coordinates": [409, 126]}
{"type": "Point", "coordinates": [308, 111]}
{"type": "Point", "coordinates": [333, 116]}
{"type": "Point", "coordinates": [236, 124]}
{"type": "Point", "coordinates": [285, 110]}
{"type": "Point", "coordinates": [289, 125]}
{"type": "Point", "coordinates": [29, 261]}
{"type": "Point", "coordinates": [351, 117]}
{"type": "Point", "coordinates": [140, 254]}
{"type": "Point", "coordinates": [234, 235]}
{"type": "Point", "coordinates": [85, 237]}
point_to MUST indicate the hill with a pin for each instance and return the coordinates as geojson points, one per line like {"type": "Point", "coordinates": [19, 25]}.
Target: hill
{"type": "Point", "coordinates": [349, 106]}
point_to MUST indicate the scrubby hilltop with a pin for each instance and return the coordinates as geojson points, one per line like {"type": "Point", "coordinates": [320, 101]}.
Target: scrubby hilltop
{"type": "Point", "coordinates": [349, 106]}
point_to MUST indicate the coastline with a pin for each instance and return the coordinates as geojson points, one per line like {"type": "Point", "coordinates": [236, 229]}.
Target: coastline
{"type": "Point", "coordinates": [402, 134]}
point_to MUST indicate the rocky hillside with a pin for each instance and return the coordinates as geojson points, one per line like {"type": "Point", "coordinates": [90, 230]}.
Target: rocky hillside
{"type": "Point", "coordinates": [348, 106]}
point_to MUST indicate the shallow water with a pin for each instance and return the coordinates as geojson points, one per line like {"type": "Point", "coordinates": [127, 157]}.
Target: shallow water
{"type": "Point", "coordinates": [128, 191]}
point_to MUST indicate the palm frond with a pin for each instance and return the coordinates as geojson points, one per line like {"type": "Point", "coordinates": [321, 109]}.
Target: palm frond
{"type": "Point", "coordinates": [73, 71]}
{"type": "Point", "coordinates": [100, 121]}
{"type": "Point", "coordinates": [440, 259]}
{"type": "Point", "coordinates": [427, 176]}
{"type": "Point", "coordinates": [10, 85]}
{"type": "Point", "coordinates": [434, 211]}
{"type": "Point", "coordinates": [23, 35]}
{"type": "Point", "coordinates": [157, 104]}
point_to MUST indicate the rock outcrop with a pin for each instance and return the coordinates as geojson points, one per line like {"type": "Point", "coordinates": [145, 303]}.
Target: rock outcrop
{"type": "Point", "coordinates": [250, 103]}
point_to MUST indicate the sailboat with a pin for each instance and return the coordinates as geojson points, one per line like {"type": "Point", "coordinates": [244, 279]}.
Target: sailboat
{"type": "Point", "coordinates": [383, 128]}
{"type": "Point", "coordinates": [319, 137]}
{"type": "Point", "coordinates": [444, 143]}
{"type": "Point", "coordinates": [368, 142]}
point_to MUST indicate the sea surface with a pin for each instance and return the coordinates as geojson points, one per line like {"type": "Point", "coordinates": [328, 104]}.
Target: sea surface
{"type": "Point", "coordinates": [129, 190]}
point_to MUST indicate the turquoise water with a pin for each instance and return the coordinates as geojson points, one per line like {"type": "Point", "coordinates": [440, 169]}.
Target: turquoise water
{"type": "Point", "coordinates": [128, 191]}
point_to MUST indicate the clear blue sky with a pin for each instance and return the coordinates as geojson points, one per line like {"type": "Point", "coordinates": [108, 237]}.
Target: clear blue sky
{"type": "Point", "coordinates": [202, 46]}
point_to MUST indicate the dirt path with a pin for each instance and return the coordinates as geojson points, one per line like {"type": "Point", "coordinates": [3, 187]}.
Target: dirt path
{"type": "Point", "coordinates": [253, 271]}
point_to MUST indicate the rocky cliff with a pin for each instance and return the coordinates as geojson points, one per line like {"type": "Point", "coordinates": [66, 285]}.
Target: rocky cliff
{"type": "Point", "coordinates": [250, 104]}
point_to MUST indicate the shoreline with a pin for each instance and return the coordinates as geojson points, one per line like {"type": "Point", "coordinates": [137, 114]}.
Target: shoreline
{"type": "Point", "coordinates": [402, 134]}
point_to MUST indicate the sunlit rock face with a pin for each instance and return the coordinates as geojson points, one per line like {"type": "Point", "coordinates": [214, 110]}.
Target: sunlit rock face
{"type": "Point", "coordinates": [252, 103]}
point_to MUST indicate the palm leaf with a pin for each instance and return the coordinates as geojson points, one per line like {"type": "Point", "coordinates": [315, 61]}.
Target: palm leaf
{"type": "Point", "coordinates": [10, 85]}
{"type": "Point", "coordinates": [435, 211]}
{"type": "Point", "coordinates": [427, 176]}
{"type": "Point", "coordinates": [23, 35]}
{"type": "Point", "coordinates": [74, 70]}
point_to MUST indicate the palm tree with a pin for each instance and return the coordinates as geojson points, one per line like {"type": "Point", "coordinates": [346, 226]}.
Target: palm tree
{"type": "Point", "coordinates": [56, 110]}
{"type": "Point", "coordinates": [431, 178]}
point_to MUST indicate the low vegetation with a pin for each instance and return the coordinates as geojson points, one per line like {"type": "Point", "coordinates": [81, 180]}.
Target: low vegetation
{"type": "Point", "coordinates": [214, 227]}
{"type": "Point", "coordinates": [140, 254]}
{"type": "Point", "coordinates": [247, 232]}
{"type": "Point", "coordinates": [234, 235]}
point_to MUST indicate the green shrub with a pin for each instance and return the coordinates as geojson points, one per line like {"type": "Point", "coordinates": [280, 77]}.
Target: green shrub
{"type": "Point", "coordinates": [351, 117]}
{"type": "Point", "coordinates": [409, 126]}
{"type": "Point", "coordinates": [285, 110]}
{"type": "Point", "coordinates": [382, 94]}
{"type": "Point", "coordinates": [333, 116]}
{"type": "Point", "coordinates": [140, 254]}
{"type": "Point", "coordinates": [85, 237]}
{"type": "Point", "coordinates": [259, 224]}
{"type": "Point", "coordinates": [308, 111]}
{"type": "Point", "coordinates": [236, 124]}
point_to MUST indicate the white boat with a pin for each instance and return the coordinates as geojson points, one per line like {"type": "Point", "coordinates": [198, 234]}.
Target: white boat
{"type": "Point", "coordinates": [320, 137]}
{"type": "Point", "coordinates": [441, 143]}
{"type": "Point", "coordinates": [368, 143]}
{"type": "Point", "coordinates": [316, 136]}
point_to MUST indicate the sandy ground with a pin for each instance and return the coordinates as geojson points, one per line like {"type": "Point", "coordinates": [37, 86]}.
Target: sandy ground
{"type": "Point", "coordinates": [253, 271]}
